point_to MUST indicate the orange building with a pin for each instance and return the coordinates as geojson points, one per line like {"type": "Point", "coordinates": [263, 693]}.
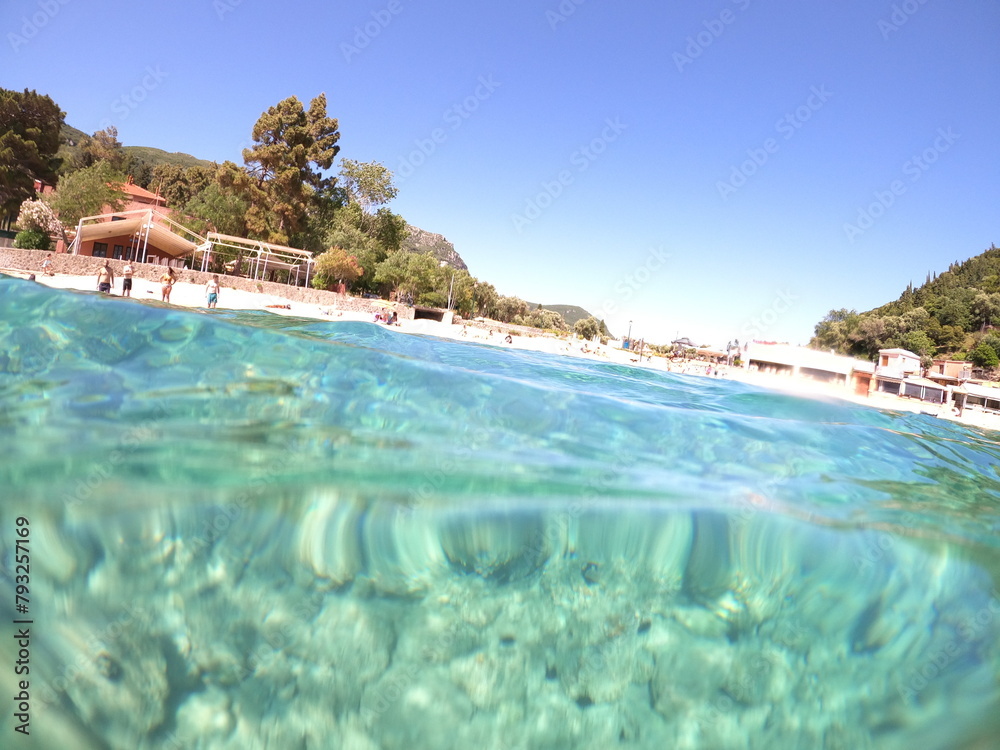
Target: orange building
{"type": "Point", "coordinates": [143, 230]}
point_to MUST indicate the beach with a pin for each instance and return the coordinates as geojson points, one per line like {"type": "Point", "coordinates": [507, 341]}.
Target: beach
{"type": "Point", "coordinates": [189, 295]}
{"type": "Point", "coordinates": [185, 294]}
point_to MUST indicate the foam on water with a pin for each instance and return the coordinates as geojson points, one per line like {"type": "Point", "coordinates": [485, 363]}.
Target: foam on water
{"type": "Point", "coordinates": [257, 531]}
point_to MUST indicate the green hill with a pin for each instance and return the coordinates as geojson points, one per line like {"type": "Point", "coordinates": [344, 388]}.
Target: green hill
{"type": "Point", "coordinates": [949, 315]}
{"type": "Point", "coordinates": [154, 156]}
{"type": "Point", "coordinates": [147, 155]}
{"type": "Point", "coordinates": [571, 314]}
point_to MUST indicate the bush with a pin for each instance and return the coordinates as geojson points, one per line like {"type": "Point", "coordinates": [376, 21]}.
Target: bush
{"type": "Point", "coordinates": [335, 266]}
{"type": "Point", "coordinates": [587, 328]}
{"type": "Point", "coordinates": [985, 356]}
{"type": "Point", "coordinates": [433, 299]}
{"type": "Point", "coordinates": [32, 239]}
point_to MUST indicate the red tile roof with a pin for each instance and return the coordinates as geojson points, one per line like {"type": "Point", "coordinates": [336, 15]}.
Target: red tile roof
{"type": "Point", "coordinates": [141, 193]}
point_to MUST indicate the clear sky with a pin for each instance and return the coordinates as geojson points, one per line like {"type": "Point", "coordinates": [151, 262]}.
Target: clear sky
{"type": "Point", "coordinates": [708, 168]}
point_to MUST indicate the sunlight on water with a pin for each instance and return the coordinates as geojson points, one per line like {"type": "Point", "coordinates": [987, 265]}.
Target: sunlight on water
{"type": "Point", "coordinates": [249, 531]}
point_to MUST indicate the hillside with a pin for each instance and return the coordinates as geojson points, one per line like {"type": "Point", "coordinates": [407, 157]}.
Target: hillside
{"type": "Point", "coordinates": [154, 156]}
{"type": "Point", "coordinates": [71, 138]}
{"type": "Point", "coordinates": [949, 315]}
{"type": "Point", "coordinates": [420, 241]}
{"type": "Point", "coordinates": [571, 314]}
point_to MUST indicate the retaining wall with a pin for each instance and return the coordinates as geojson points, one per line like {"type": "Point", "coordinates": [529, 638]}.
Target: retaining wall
{"type": "Point", "coordinates": [30, 261]}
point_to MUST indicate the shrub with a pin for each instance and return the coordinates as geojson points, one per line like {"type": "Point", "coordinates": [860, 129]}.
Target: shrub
{"type": "Point", "coordinates": [984, 356]}
{"type": "Point", "coordinates": [334, 266]}
{"type": "Point", "coordinates": [32, 239]}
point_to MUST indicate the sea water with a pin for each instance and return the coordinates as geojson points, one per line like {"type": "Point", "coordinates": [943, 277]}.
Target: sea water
{"type": "Point", "coordinates": [252, 531]}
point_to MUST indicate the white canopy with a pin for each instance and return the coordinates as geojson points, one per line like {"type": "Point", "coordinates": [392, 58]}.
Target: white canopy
{"type": "Point", "coordinates": [261, 256]}
{"type": "Point", "coordinates": [148, 226]}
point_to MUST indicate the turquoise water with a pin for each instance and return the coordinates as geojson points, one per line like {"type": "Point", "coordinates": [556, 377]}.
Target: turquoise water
{"type": "Point", "coordinates": [252, 531]}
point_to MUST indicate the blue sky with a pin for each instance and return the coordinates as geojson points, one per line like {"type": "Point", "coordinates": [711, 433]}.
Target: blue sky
{"type": "Point", "coordinates": [714, 169]}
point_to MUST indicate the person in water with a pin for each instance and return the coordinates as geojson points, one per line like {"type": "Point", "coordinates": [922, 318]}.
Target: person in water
{"type": "Point", "coordinates": [212, 291]}
{"type": "Point", "coordinates": [127, 279]}
{"type": "Point", "coordinates": [105, 278]}
{"type": "Point", "coordinates": [167, 284]}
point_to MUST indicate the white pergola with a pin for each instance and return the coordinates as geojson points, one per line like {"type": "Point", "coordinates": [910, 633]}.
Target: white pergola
{"type": "Point", "coordinates": [262, 255]}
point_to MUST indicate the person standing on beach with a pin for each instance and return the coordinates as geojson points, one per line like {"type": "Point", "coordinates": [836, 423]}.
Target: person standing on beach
{"type": "Point", "coordinates": [212, 290]}
{"type": "Point", "coordinates": [127, 279]}
{"type": "Point", "coordinates": [167, 283]}
{"type": "Point", "coordinates": [105, 278]}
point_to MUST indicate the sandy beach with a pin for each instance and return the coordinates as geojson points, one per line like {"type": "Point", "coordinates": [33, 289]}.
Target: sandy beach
{"type": "Point", "coordinates": [190, 295]}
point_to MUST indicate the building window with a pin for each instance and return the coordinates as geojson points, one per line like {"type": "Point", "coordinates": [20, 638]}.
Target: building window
{"type": "Point", "coordinates": [119, 251]}
{"type": "Point", "coordinates": [100, 250]}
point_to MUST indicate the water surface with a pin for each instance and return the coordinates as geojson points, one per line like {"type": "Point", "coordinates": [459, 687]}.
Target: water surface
{"type": "Point", "coordinates": [255, 531]}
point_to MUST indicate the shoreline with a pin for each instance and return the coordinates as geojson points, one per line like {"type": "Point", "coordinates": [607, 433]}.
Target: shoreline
{"type": "Point", "coordinates": [192, 296]}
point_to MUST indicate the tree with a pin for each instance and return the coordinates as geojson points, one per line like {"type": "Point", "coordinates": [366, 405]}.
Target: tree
{"type": "Point", "coordinates": [283, 175]}
{"type": "Point", "coordinates": [371, 239]}
{"type": "Point", "coordinates": [88, 192]}
{"type": "Point", "coordinates": [484, 299]}
{"type": "Point", "coordinates": [180, 185]}
{"type": "Point", "coordinates": [411, 273]}
{"type": "Point", "coordinates": [101, 146]}
{"type": "Point", "coordinates": [463, 289]}
{"type": "Point", "coordinates": [369, 184]}
{"type": "Point", "coordinates": [984, 356]}
{"type": "Point", "coordinates": [947, 338]}
{"type": "Point", "coordinates": [918, 342]}
{"type": "Point", "coordinates": [219, 210]}
{"type": "Point", "coordinates": [954, 311]}
{"type": "Point", "coordinates": [335, 266]}
{"type": "Point", "coordinates": [587, 328]}
{"type": "Point", "coordinates": [985, 308]}
{"type": "Point", "coordinates": [836, 331]}
{"type": "Point", "coordinates": [507, 308]}
{"type": "Point", "coordinates": [29, 140]}
{"type": "Point", "coordinates": [547, 320]}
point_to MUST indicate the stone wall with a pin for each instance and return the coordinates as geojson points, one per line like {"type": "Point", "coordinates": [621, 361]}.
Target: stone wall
{"type": "Point", "coordinates": [30, 261]}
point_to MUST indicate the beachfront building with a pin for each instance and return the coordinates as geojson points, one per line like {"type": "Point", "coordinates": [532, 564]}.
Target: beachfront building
{"type": "Point", "coordinates": [894, 366]}
{"type": "Point", "coordinates": [924, 389]}
{"type": "Point", "coordinates": [144, 230]}
{"type": "Point", "coordinates": [145, 235]}
{"type": "Point", "coordinates": [977, 397]}
{"type": "Point", "coordinates": [809, 364]}
{"type": "Point", "coordinates": [949, 372]}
